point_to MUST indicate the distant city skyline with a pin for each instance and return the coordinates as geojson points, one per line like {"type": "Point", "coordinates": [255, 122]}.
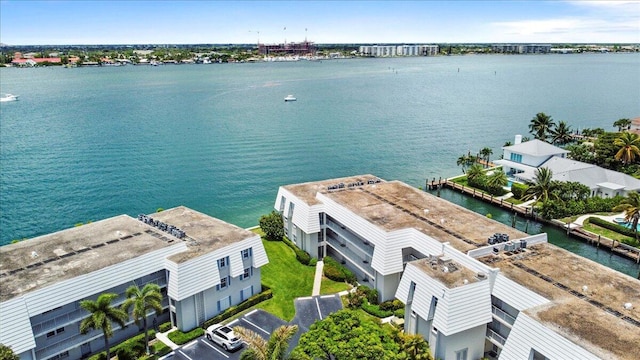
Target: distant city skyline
{"type": "Point", "coordinates": [243, 22]}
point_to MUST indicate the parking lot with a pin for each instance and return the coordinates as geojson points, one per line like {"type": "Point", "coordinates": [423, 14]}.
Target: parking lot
{"type": "Point", "coordinates": [308, 311]}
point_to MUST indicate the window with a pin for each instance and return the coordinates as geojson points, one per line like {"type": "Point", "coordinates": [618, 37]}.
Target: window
{"type": "Point", "coordinates": [535, 355]}
{"type": "Point", "coordinates": [516, 157]}
{"type": "Point", "coordinates": [247, 273]}
{"type": "Point", "coordinates": [283, 201]}
{"type": "Point", "coordinates": [462, 354]}
{"type": "Point", "coordinates": [62, 355]}
{"type": "Point", "coordinates": [55, 332]}
{"type": "Point", "coordinates": [291, 207]}
{"type": "Point", "coordinates": [223, 262]}
{"type": "Point", "coordinates": [224, 282]}
{"type": "Point", "coordinates": [246, 253]}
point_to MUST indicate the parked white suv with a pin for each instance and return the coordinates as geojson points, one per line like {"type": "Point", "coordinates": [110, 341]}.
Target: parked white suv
{"type": "Point", "coordinates": [223, 336]}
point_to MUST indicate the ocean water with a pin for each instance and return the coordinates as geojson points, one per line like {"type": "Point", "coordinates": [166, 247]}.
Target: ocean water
{"type": "Point", "coordinates": [85, 144]}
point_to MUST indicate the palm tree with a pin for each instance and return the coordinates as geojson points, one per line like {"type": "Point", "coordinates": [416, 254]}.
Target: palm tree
{"type": "Point", "coordinates": [486, 152]}
{"type": "Point", "coordinates": [628, 143]}
{"type": "Point", "coordinates": [475, 173]}
{"type": "Point", "coordinates": [102, 315]}
{"type": "Point", "coordinates": [507, 143]}
{"type": "Point", "coordinates": [414, 347]}
{"type": "Point", "coordinates": [561, 133]}
{"type": "Point", "coordinates": [622, 123]}
{"type": "Point", "coordinates": [542, 186]}
{"type": "Point", "coordinates": [465, 161]}
{"type": "Point", "coordinates": [149, 298]}
{"type": "Point", "coordinates": [261, 349]}
{"type": "Point", "coordinates": [631, 207]}
{"type": "Point", "coordinates": [541, 125]}
{"type": "Point", "coordinates": [498, 179]}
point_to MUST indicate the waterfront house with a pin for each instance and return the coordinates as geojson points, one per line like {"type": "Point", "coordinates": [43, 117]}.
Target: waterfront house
{"type": "Point", "coordinates": [203, 266]}
{"type": "Point", "coordinates": [523, 159]}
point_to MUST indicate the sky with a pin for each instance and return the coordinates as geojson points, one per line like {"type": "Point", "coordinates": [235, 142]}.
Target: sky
{"type": "Point", "coordinates": [34, 22]}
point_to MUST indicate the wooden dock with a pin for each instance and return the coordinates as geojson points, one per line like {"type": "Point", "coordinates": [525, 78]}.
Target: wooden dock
{"type": "Point", "coordinates": [591, 238]}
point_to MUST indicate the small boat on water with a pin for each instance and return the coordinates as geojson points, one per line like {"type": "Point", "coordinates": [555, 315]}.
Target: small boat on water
{"type": "Point", "coordinates": [290, 98]}
{"type": "Point", "coordinates": [8, 97]}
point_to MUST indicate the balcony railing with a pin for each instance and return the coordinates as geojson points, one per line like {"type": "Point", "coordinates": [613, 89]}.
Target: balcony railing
{"type": "Point", "coordinates": [502, 315]}
{"type": "Point", "coordinates": [76, 315]}
{"type": "Point", "coordinates": [360, 244]}
{"type": "Point", "coordinates": [363, 264]}
{"type": "Point", "coordinates": [496, 338]}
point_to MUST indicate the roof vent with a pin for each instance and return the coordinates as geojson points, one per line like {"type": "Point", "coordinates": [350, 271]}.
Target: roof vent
{"type": "Point", "coordinates": [465, 281]}
{"type": "Point", "coordinates": [34, 254]}
{"type": "Point", "coordinates": [628, 306]}
{"type": "Point", "coordinates": [585, 288]}
{"type": "Point", "coordinates": [481, 275]}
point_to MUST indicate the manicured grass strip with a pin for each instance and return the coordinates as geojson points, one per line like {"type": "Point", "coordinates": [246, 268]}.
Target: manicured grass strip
{"type": "Point", "coordinates": [329, 286]}
{"type": "Point", "coordinates": [179, 338]}
{"type": "Point", "coordinates": [287, 278]}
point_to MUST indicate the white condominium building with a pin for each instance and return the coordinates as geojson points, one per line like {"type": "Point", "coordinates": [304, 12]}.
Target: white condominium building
{"type": "Point", "coordinates": [398, 50]}
{"type": "Point", "coordinates": [473, 287]}
{"type": "Point", "coordinates": [203, 266]}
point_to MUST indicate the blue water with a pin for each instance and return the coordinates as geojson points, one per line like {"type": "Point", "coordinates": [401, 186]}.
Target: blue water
{"type": "Point", "coordinates": [90, 143]}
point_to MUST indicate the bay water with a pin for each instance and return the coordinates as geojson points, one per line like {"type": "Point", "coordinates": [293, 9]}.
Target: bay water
{"type": "Point", "coordinates": [85, 144]}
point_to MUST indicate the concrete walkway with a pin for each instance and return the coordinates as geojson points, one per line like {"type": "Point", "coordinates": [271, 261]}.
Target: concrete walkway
{"type": "Point", "coordinates": [317, 280]}
{"type": "Point", "coordinates": [165, 339]}
{"type": "Point", "coordinates": [581, 219]}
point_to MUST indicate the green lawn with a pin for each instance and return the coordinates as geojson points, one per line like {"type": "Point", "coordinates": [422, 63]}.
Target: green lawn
{"type": "Point", "coordinates": [288, 279]}
{"type": "Point", "coordinates": [609, 234]}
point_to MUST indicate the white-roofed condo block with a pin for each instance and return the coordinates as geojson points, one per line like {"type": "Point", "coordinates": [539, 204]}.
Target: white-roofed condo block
{"type": "Point", "coordinates": [469, 296]}
{"type": "Point", "coordinates": [44, 279]}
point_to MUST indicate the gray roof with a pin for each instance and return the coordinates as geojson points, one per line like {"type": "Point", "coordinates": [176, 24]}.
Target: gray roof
{"type": "Point", "coordinates": [536, 147]}
{"type": "Point", "coordinates": [590, 175]}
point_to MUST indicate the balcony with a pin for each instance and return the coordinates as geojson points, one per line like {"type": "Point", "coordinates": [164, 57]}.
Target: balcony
{"type": "Point", "coordinates": [502, 316]}
{"type": "Point", "coordinates": [352, 256]}
{"type": "Point", "coordinates": [78, 314]}
{"type": "Point", "coordinates": [495, 338]}
{"type": "Point", "coordinates": [353, 241]}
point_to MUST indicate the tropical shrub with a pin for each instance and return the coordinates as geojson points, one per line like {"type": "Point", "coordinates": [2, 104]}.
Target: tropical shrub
{"type": "Point", "coordinates": [272, 225]}
{"type": "Point", "coordinates": [164, 327]}
{"type": "Point", "coordinates": [518, 190]}
{"type": "Point", "coordinates": [302, 256]}
{"type": "Point", "coordinates": [337, 272]}
{"type": "Point", "coordinates": [611, 226]}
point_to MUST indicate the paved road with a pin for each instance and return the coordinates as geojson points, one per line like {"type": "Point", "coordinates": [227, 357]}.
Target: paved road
{"type": "Point", "coordinates": [308, 311]}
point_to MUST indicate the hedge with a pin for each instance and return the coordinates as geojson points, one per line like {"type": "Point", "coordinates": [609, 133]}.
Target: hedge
{"type": "Point", "coordinates": [165, 327]}
{"type": "Point", "coordinates": [375, 310]}
{"type": "Point", "coordinates": [133, 345]}
{"type": "Point", "coordinates": [302, 256]}
{"type": "Point", "coordinates": [337, 272]}
{"type": "Point", "coordinates": [613, 227]}
{"type": "Point", "coordinates": [255, 299]}
{"type": "Point", "coordinates": [518, 190]}
{"type": "Point", "coordinates": [179, 337]}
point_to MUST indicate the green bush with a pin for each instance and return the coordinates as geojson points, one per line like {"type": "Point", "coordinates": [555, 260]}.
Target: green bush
{"type": "Point", "coordinates": [179, 337]}
{"type": "Point", "coordinates": [375, 310]}
{"type": "Point", "coordinates": [518, 190]}
{"type": "Point", "coordinates": [272, 225]}
{"type": "Point", "coordinates": [369, 293]}
{"type": "Point", "coordinates": [160, 348]}
{"type": "Point", "coordinates": [133, 346]}
{"type": "Point", "coordinates": [399, 313]}
{"type": "Point", "coordinates": [337, 272]}
{"type": "Point", "coordinates": [165, 327]}
{"type": "Point", "coordinates": [302, 256]}
{"type": "Point", "coordinates": [313, 262]}
{"type": "Point", "coordinates": [255, 299]}
{"type": "Point", "coordinates": [354, 300]}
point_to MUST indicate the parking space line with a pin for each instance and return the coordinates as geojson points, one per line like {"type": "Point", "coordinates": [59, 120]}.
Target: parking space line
{"type": "Point", "coordinates": [305, 298]}
{"type": "Point", "coordinates": [327, 296]}
{"type": "Point", "coordinates": [185, 355]}
{"type": "Point", "coordinates": [233, 322]}
{"type": "Point", "coordinates": [216, 349]}
{"type": "Point", "coordinates": [190, 344]}
{"type": "Point", "coordinates": [252, 312]}
{"type": "Point", "coordinates": [318, 305]}
{"type": "Point", "coordinates": [257, 327]}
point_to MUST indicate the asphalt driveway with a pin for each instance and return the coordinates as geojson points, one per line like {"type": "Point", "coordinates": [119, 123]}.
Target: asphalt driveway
{"type": "Point", "coordinates": [308, 310]}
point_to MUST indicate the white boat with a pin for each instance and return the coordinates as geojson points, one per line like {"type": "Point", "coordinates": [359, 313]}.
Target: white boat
{"type": "Point", "coordinates": [8, 97]}
{"type": "Point", "coordinates": [290, 98]}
